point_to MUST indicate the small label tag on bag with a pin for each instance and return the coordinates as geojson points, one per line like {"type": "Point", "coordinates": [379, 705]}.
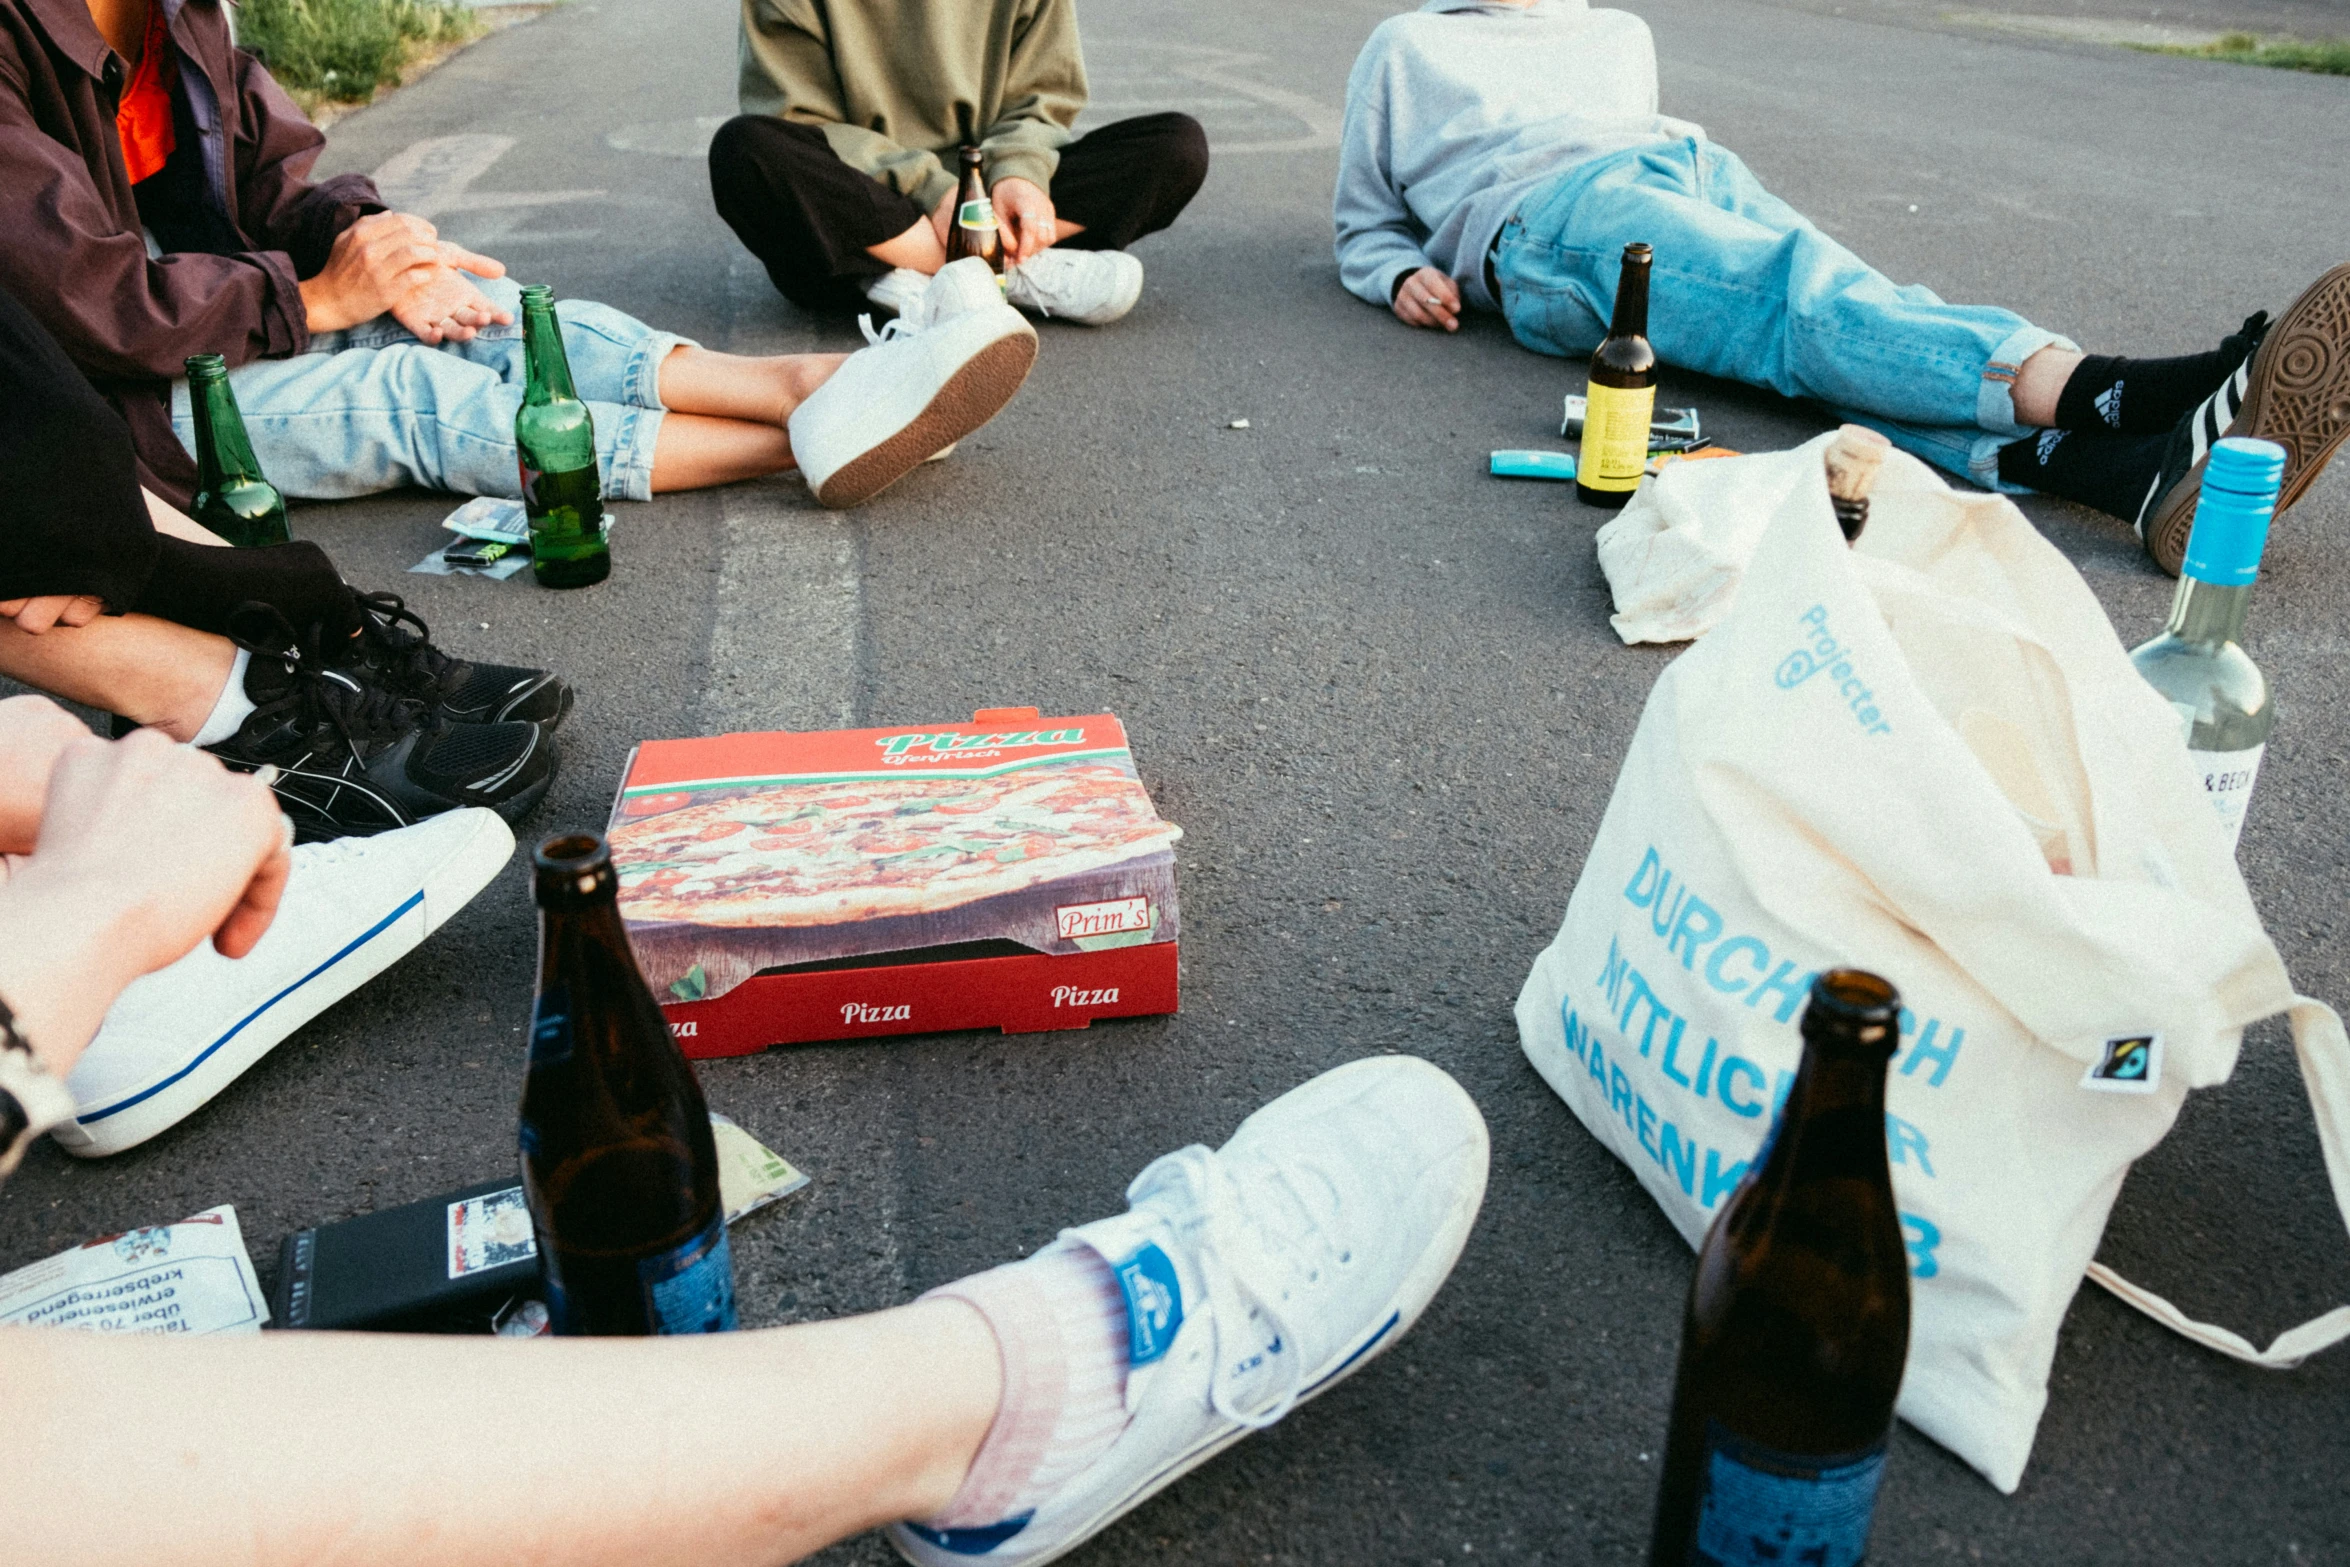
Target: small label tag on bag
{"type": "Point", "coordinates": [2130, 1064]}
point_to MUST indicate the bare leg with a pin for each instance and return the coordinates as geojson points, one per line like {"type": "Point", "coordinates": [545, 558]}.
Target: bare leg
{"type": "Point", "coordinates": [169, 519]}
{"type": "Point", "coordinates": [2040, 382]}
{"type": "Point", "coordinates": [919, 249]}
{"type": "Point", "coordinates": [147, 670]}
{"type": "Point", "coordinates": [695, 452]}
{"type": "Point", "coordinates": [740, 1448]}
{"type": "Point", "coordinates": [730, 386]}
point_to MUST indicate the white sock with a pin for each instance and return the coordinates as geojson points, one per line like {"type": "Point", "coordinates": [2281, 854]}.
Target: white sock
{"type": "Point", "coordinates": [233, 707]}
{"type": "Point", "coordinates": [1060, 1326]}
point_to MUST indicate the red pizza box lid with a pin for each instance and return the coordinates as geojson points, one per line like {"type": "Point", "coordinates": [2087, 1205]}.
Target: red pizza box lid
{"type": "Point", "coordinates": [744, 854]}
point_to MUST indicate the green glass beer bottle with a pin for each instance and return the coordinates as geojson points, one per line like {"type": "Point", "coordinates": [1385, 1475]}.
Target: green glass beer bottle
{"type": "Point", "coordinates": [232, 498]}
{"type": "Point", "coordinates": [1798, 1319]}
{"type": "Point", "coordinates": [2221, 697]}
{"type": "Point", "coordinates": [555, 444]}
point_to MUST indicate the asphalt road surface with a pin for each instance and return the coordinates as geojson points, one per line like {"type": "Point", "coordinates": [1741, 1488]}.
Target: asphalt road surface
{"type": "Point", "coordinates": [1379, 692]}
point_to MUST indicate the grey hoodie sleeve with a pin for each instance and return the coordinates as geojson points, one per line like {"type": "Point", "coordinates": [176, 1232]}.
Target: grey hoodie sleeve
{"type": "Point", "coordinates": [1378, 238]}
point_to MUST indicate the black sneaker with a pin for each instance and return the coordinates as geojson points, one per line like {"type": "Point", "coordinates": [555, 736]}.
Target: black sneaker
{"type": "Point", "coordinates": [353, 759]}
{"type": "Point", "coordinates": [394, 651]}
{"type": "Point", "coordinates": [2293, 390]}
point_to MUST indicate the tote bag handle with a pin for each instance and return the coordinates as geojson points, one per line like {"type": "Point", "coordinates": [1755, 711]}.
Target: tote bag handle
{"type": "Point", "coordinates": [2324, 1050]}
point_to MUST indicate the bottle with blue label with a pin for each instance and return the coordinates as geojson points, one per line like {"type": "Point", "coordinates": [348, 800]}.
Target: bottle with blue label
{"type": "Point", "coordinates": [618, 1161]}
{"type": "Point", "coordinates": [2220, 695]}
{"type": "Point", "coordinates": [1798, 1320]}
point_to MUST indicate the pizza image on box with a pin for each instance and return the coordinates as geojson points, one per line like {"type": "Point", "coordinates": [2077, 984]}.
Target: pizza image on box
{"type": "Point", "coordinates": [747, 853]}
{"type": "Point", "coordinates": [817, 854]}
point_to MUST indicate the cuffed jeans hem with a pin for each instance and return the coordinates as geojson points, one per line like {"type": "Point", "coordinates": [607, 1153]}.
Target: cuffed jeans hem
{"type": "Point", "coordinates": [640, 379]}
{"type": "Point", "coordinates": [1970, 454]}
{"type": "Point", "coordinates": [1995, 400]}
{"type": "Point", "coordinates": [628, 465]}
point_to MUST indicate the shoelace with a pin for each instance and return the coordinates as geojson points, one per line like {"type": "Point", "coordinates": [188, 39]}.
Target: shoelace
{"type": "Point", "coordinates": [1236, 1272]}
{"type": "Point", "coordinates": [896, 329]}
{"type": "Point", "coordinates": [385, 620]}
{"type": "Point", "coordinates": [358, 712]}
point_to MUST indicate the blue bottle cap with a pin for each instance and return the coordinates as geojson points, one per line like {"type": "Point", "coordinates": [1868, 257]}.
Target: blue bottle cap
{"type": "Point", "coordinates": [2240, 483]}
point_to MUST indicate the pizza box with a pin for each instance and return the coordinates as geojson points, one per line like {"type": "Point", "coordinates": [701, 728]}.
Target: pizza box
{"type": "Point", "coordinates": [785, 887]}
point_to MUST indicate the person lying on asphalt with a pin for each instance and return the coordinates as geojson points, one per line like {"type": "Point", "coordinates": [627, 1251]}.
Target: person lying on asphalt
{"type": "Point", "coordinates": [173, 1038]}
{"type": "Point", "coordinates": [112, 598]}
{"type": "Point", "coordinates": [155, 203]}
{"type": "Point", "coordinates": [1499, 154]}
{"type": "Point", "coordinates": [1005, 1417]}
{"type": "Point", "coordinates": [840, 175]}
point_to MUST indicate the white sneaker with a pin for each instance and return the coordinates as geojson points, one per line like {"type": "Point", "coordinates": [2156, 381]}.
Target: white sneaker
{"type": "Point", "coordinates": [897, 289]}
{"type": "Point", "coordinates": [939, 371]}
{"type": "Point", "coordinates": [1093, 287]}
{"type": "Point", "coordinates": [1257, 1277]}
{"type": "Point", "coordinates": [351, 909]}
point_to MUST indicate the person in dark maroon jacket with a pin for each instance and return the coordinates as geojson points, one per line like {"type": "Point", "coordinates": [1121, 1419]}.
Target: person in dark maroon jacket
{"type": "Point", "coordinates": [156, 202]}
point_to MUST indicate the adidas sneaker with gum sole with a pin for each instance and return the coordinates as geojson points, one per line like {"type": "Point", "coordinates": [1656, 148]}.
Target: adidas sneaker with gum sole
{"type": "Point", "coordinates": [2295, 391]}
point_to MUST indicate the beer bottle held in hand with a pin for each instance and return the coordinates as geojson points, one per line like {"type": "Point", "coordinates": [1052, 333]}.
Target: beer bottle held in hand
{"type": "Point", "coordinates": [974, 231]}
{"type": "Point", "coordinates": [2221, 697]}
{"type": "Point", "coordinates": [618, 1162]}
{"type": "Point", "coordinates": [1621, 396]}
{"type": "Point", "coordinates": [1798, 1319]}
{"type": "Point", "coordinates": [232, 497]}
{"type": "Point", "coordinates": [555, 444]}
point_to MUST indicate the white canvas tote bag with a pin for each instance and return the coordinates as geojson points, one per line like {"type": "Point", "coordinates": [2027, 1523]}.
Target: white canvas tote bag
{"type": "Point", "coordinates": [1927, 756]}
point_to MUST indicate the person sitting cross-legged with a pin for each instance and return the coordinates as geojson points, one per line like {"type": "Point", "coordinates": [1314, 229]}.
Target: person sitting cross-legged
{"type": "Point", "coordinates": [156, 203]}
{"type": "Point", "coordinates": [1500, 154]}
{"type": "Point", "coordinates": [841, 173]}
{"type": "Point", "coordinates": [1003, 1418]}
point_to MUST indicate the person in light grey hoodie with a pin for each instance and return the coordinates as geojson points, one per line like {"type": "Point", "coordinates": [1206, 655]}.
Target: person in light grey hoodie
{"type": "Point", "coordinates": [1499, 154]}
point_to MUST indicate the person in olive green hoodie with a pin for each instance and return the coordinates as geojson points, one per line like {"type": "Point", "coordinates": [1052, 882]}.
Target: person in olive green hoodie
{"type": "Point", "coordinates": [840, 174]}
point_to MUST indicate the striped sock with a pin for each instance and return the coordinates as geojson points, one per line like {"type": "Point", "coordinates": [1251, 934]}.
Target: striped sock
{"type": "Point", "coordinates": [1060, 1325]}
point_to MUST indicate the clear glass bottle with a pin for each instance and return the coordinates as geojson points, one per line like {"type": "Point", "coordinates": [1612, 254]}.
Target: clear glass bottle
{"type": "Point", "coordinates": [2222, 699]}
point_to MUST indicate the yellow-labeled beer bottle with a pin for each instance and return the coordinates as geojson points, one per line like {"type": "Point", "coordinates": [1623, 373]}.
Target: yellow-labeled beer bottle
{"type": "Point", "coordinates": [618, 1162]}
{"type": "Point", "coordinates": [555, 447]}
{"type": "Point", "coordinates": [232, 497]}
{"type": "Point", "coordinates": [1621, 396]}
{"type": "Point", "coordinates": [1798, 1319]}
{"type": "Point", "coordinates": [974, 232]}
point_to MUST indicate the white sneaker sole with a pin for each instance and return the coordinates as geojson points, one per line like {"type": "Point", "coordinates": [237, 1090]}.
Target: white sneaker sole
{"type": "Point", "coordinates": [134, 1117]}
{"type": "Point", "coordinates": [1404, 1309]}
{"type": "Point", "coordinates": [996, 349]}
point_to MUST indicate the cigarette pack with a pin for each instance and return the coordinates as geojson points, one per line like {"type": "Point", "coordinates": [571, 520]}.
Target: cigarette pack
{"type": "Point", "coordinates": [1007, 873]}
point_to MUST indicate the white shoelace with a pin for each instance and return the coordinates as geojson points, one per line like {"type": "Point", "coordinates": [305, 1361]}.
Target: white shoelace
{"type": "Point", "coordinates": [896, 329]}
{"type": "Point", "coordinates": [1222, 1227]}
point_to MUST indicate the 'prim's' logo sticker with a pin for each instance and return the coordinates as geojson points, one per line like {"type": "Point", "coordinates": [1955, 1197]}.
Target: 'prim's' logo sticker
{"type": "Point", "coordinates": [2129, 1064]}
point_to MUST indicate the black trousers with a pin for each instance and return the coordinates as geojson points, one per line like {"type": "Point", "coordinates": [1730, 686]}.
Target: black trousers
{"type": "Point", "coordinates": [810, 217]}
{"type": "Point", "coordinates": [76, 523]}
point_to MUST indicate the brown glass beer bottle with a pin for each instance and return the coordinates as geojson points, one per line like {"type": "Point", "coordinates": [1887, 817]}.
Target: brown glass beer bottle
{"type": "Point", "coordinates": [1798, 1319]}
{"type": "Point", "coordinates": [1621, 396]}
{"type": "Point", "coordinates": [618, 1161]}
{"type": "Point", "coordinates": [974, 232]}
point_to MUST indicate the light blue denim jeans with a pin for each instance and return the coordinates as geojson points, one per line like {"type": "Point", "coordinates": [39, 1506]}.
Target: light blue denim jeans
{"type": "Point", "coordinates": [371, 408]}
{"type": "Point", "coordinates": [1745, 287]}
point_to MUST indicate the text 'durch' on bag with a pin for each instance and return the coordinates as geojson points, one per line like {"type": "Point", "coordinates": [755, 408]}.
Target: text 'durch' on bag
{"type": "Point", "coordinates": [1927, 756]}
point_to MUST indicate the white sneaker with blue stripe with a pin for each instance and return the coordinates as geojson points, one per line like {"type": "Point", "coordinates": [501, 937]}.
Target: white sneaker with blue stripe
{"type": "Point", "coordinates": [1258, 1276]}
{"type": "Point", "coordinates": [352, 908]}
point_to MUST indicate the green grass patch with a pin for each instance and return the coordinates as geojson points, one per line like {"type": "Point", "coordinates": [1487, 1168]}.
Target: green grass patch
{"type": "Point", "coordinates": [2326, 56]}
{"type": "Point", "coordinates": [341, 51]}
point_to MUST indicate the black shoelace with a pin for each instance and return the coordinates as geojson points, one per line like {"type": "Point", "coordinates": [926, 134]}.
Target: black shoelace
{"type": "Point", "coordinates": [359, 712]}
{"type": "Point", "coordinates": [385, 622]}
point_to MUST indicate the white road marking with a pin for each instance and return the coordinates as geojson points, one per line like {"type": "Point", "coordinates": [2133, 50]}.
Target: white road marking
{"type": "Point", "coordinates": [432, 178]}
{"type": "Point", "coordinates": [784, 638]}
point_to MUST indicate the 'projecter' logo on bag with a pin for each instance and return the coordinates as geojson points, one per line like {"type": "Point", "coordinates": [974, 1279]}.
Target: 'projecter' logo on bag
{"type": "Point", "coordinates": [2130, 1064]}
{"type": "Point", "coordinates": [1825, 653]}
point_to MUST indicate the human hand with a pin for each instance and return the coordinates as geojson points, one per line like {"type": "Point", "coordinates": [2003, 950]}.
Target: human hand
{"type": "Point", "coordinates": [223, 860]}
{"type": "Point", "coordinates": [34, 732]}
{"type": "Point", "coordinates": [1024, 217]}
{"type": "Point", "coordinates": [397, 262]}
{"type": "Point", "coordinates": [1428, 298]}
{"type": "Point", "coordinates": [34, 616]}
